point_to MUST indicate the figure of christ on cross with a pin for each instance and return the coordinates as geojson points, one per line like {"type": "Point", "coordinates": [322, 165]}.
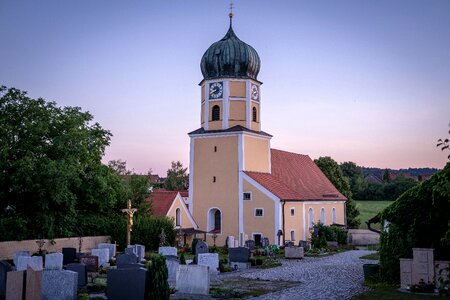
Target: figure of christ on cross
{"type": "Point", "coordinates": [130, 212]}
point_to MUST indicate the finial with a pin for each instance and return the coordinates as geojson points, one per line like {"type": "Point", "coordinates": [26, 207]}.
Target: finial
{"type": "Point", "coordinates": [231, 12]}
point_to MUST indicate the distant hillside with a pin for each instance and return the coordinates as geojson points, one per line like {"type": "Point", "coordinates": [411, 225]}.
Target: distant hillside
{"type": "Point", "coordinates": [414, 172]}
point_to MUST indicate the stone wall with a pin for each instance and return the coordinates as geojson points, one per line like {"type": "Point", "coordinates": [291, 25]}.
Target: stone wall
{"type": "Point", "coordinates": [7, 249]}
{"type": "Point", "coordinates": [362, 237]}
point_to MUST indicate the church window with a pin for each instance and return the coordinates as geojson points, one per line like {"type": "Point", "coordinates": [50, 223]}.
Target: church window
{"type": "Point", "coordinates": [247, 196]}
{"type": "Point", "coordinates": [310, 218]}
{"type": "Point", "coordinates": [292, 211]}
{"type": "Point", "coordinates": [214, 220]}
{"type": "Point", "coordinates": [259, 212]}
{"type": "Point", "coordinates": [292, 235]}
{"type": "Point", "coordinates": [333, 215]}
{"type": "Point", "coordinates": [178, 217]}
{"type": "Point", "coordinates": [322, 215]}
{"type": "Point", "coordinates": [255, 115]}
{"type": "Point", "coordinates": [216, 113]}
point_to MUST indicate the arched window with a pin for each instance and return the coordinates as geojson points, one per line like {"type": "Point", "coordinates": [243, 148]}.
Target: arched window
{"type": "Point", "coordinates": [216, 113]}
{"type": "Point", "coordinates": [333, 215]}
{"type": "Point", "coordinates": [214, 220]}
{"type": "Point", "coordinates": [255, 114]}
{"type": "Point", "coordinates": [322, 216]}
{"type": "Point", "coordinates": [310, 218]}
{"type": "Point", "coordinates": [178, 217]}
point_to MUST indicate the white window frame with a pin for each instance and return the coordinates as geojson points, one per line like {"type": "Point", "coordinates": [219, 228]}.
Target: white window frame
{"type": "Point", "coordinates": [333, 215]}
{"type": "Point", "coordinates": [310, 218]}
{"type": "Point", "coordinates": [293, 236]}
{"type": "Point", "coordinates": [254, 212]}
{"type": "Point", "coordinates": [323, 218]}
{"type": "Point", "coordinates": [251, 196]}
{"type": "Point", "coordinates": [210, 220]}
{"type": "Point", "coordinates": [178, 217]}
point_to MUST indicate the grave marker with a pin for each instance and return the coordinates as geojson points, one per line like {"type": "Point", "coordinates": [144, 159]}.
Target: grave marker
{"type": "Point", "coordinates": [91, 263]}
{"type": "Point", "coordinates": [69, 255]}
{"type": "Point", "coordinates": [211, 260]}
{"type": "Point", "coordinates": [15, 285]}
{"type": "Point", "coordinates": [33, 261]}
{"type": "Point", "coordinates": [124, 259]}
{"type": "Point", "coordinates": [193, 279]}
{"type": "Point", "coordinates": [59, 284]}
{"type": "Point", "coordinates": [54, 261]}
{"type": "Point", "coordinates": [265, 242]}
{"type": "Point", "coordinates": [5, 267]}
{"type": "Point", "coordinates": [33, 290]}
{"type": "Point", "coordinates": [172, 264]}
{"type": "Point", "coordinates": [166, 251]}
{"type": "Point", "coordinates": [111, 247]}
{"type": "Point", "coordinates": [293, 252]}
{"type": "Point", "coordinates": [127, 284]}
{"type": "Point", "coordinates": [103, 256]}
{"type": "Point", "coordinates": [239, 254]}
{"type": "Point", "coordinates": [80, 269]}
{"type": "Point", "coordinates": [250, 244]}
{"type": "Point", "coordinates": [17, 254]}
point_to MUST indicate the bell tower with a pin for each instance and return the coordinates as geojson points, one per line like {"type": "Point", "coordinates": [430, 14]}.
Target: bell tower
{"type": "Point", "coordinates": [229, 140]}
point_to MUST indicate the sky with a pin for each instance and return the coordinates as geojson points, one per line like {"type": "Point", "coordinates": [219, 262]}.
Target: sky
{"type": "Point", "coordinates": [362, 81]}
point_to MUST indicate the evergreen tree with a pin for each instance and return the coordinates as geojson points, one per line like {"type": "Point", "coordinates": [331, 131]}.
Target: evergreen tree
{"type": "Point", "coordinates": [177, 179]}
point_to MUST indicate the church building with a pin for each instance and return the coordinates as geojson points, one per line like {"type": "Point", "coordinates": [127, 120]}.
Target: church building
{"type": "Point", "coordinates": [238, 185]}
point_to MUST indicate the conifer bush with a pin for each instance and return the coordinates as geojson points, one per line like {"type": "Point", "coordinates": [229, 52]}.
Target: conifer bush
{"type": "Point", "coordinates": [158, 285]}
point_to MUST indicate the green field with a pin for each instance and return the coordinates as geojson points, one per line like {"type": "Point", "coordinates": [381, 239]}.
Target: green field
{"type": "Point", "coordinates": [369, 209]}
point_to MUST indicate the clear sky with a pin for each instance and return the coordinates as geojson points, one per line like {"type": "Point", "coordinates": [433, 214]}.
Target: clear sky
{"type": "Point", "coordinates": [363, 81]}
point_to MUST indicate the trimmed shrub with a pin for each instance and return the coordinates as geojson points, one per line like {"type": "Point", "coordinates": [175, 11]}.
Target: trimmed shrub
{"type": "Point", "coordinates": [182, 259]}
{"type": "Point", "coordinates": [159, 286]}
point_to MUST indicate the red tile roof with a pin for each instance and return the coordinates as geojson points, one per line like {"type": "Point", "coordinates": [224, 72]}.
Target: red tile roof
{"type": "Point", "coordinates": [296, 177]}
{"type": "Point", "coordinates": [162, 200]}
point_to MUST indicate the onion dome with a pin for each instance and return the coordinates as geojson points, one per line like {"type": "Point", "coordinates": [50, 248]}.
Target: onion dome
{"type": "Point", "coordinates": [230, 57]}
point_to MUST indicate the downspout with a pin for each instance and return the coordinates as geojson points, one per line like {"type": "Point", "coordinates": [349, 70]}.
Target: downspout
{"type": "Point", "coordinates": [284, 232]}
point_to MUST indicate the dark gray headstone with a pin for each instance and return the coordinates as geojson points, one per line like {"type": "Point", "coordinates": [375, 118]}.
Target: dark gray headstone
{"type": "Point", "coordinates": [91, 263]}
{"type": "Point", "coordinates": [69, 255]}
{"type": "Point", "coordinates": [239, 254]}
{"type": "Point", "coordinates": [5, 267]}
{"type": "Point", "coordinates": [127, 284]}
{"type": "Point", "coordinates": [250, 244]}
{"type": "Point", "coordinates": [125, 259]}
{"type": "Point", "coordinates": [131, 266]}
{"type": "Point", "coordinates": [265, 242]}
{"type": "Point", "coordinates": [82, 272]}
{"type": "Point", "coordinates": [201, 247]}
{"type": "Point", "coordinates": [289, 244]}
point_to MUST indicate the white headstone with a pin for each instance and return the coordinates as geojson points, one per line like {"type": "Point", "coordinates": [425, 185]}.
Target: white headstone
{"type": "Point", "coordinates": [111, 247]}
{"type": "Point", "coordinates": [193, 279]}
{"type": "Point", "coordinates": [103, 255]}
{"type": "Point", "coordinates": [139, 250]}
{"type": "Point", "coordinates": [54, 261]}
{"type": "Point", "coordinates": [293, 252]}
{"type": "Point", "coordinates": [19, 253]}
{"type": "Point", "coordinates": [166, 251]}
{"type": "Point", "coordinates": [230, 242]}
{"type": "Point", "coordinates": [211, 260]}
{"type": "Point", "coordinates": [172, 264]}
{"type": "Point", "coordinates": [35, 262]}
{"type": "Point", "coordinates": [236, 243]}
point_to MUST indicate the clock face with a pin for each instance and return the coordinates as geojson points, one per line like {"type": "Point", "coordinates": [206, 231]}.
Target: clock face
{"type": "Point", "coordinates": [215, 90]}
{"type": "Point", "coordinates": [255, 92]}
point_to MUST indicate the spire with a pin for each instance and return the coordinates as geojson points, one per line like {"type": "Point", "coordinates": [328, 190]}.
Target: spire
{"type": "Point", "coordinates": [231, 13]}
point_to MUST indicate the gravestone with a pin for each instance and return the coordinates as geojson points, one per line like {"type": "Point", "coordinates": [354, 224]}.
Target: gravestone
{"type": "Point", "coordinates": [172, 264]}
{"type": "Point", "coordinates": [111, 247]}
{"type": "Point", "coordinates": [239, 254]}
{"type": "Point", "coordinates": [15, 285]}
{"type": "Point", "coordinates": [168, 251]}
{"type": "Point", "coordinates": [91, 263]}
{"type": "Point", "coordinates": [250, 244]}
{"type": "Point", "coordinates": [293, 252]}
{"type": "Point", "coordinates": [80, 269]}
{"type": "Point", "coordinates": [230, 241]}
{"type": "Point", "coordinates": [103, 256]}
{"type": "Point", "coordinates": [305, 244]}
{"type": "Point", "coordinates": [201, 247]}
{"type": "Point", "coordinates": [127, 284]}
{"type": "Point", "coordinates": [128, 258]}
{"type": "Point", "coordinates": [289, 244]}
{"type": "Point", "coordinates": [265, 242]}
{"type": "Point", "coordinates": [33, 290]}
{"type": "Point", "coordinates": [137, 249]}
{"type": "Point", "coordinates": [5, 267]}
{"type": "Point", "coordinates": [193, 279]}
{"type": "Point", "coordinates": [69, 255]}
{"type": "Point", "coordinates": [211, 260]}
{"type": "Point", "coordinates": [131, 266]}
{"type": "Point", "coordinates": [59, 284]}
{"type": "Point", "coordinates": [17, 254]}
{"type": "Point", "coordinates": [33, 261]}
{"type": "Point", "coordinates": [54, 261]}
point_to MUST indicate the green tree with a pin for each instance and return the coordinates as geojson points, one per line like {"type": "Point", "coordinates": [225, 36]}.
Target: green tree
{"type": "Point", "coordinates": [334, 173]}
{"type": "Point", "coordinates": [386, 176]}
{"type": "Point", "coordinates": [443, 144]}
{"type": "Point", "coordinates": [355, 175]}
{"type": "Point", "coordinates": [50, 169]}
{"type": "Point", "coordinates": [177, 179]}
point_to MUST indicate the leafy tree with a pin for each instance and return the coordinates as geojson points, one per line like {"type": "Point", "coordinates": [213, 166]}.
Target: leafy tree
{"type": "Point", "coordinates": [51, 176]}
{"type": "Point", "coordinates": [355, 175]}
{"type": "Point", "coordinates": [386, 176]}
{"type": "Point", "coordinates": [177, 179]}
{"type": "Point", "coordinates": [443, 144]}
{"type": "Point", "coordinates": [334, 173]}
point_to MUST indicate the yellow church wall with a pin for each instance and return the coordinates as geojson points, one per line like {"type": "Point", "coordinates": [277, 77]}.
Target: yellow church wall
{"type": "Point", "coordinates": [202, 114]}
{"type": "Point", "coordinates": [185, 219]}
{"type": "Point", "coordinates": [203, 92]}
{"type": "Point", "coordinates": [237, 110]}
{"type": "Point", "coordinates": [234, 123]}
{"type": "Point", "coordinates": [264, 225]}
{"type": "Point", "coordinates": [256, 126]}
{"type": "Point", "coordinates": [237, 89]}
{"type": "Point", "coordinates": [223, 193]}
{"type": "Point", "coordinates": [215, 125]}
{"type": "Point", "coordinates": [294, 222]}
{"type": "Point", "coordinates": [256, 154]}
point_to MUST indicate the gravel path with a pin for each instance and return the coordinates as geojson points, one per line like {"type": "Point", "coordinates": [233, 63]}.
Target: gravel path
{"type": "Point", "coordinates": [338, 276]}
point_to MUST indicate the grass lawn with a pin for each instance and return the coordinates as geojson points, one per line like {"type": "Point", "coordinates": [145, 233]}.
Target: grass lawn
{"type": "Point", "coordinates": [369, 209]}
{"type": "Point", "coordinates": [391, 293]}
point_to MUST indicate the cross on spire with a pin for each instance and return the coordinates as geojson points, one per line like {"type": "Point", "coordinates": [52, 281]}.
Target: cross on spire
{"type": "Point", "coordinates": [231, 12]}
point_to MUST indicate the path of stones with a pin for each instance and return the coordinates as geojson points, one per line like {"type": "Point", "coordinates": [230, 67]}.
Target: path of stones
{"type": "Point", "coordinates": [338, 276]}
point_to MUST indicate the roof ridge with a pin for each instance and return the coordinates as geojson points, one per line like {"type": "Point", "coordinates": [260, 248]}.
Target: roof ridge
{"type": "Point", "coordinates": [289, 152]}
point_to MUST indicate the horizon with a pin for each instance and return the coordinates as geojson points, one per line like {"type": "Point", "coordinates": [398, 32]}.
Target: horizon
{"type": "Point", "coordinates": [357, 81]}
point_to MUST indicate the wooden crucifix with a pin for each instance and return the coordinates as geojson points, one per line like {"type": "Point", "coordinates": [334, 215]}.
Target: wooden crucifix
{"type": "Point", "coordinates": [130, 212]}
